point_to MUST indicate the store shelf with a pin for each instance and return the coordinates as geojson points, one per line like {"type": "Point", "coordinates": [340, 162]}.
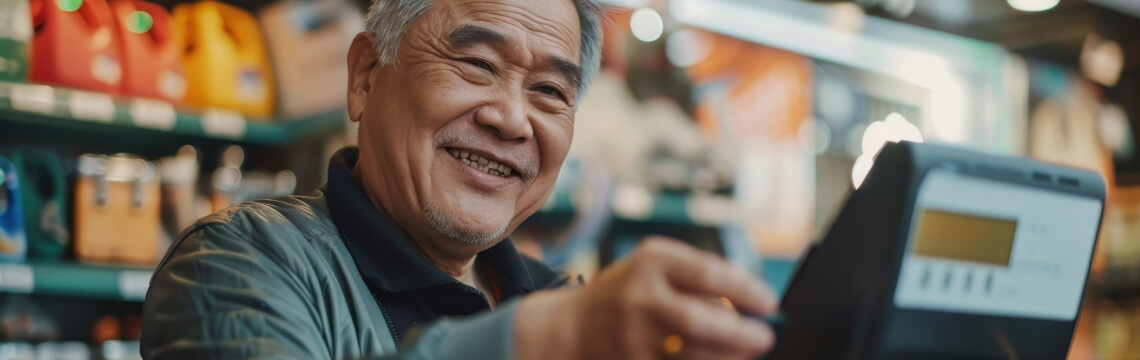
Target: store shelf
{"type": "Point", "coordinates": [65, 108]}
{"type": "Point", "coordinates": [111, 282]}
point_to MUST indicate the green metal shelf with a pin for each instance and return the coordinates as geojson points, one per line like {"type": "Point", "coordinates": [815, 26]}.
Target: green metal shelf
{"type": "Point", "coordinates": [91, 281]}
{"type": "Point", "coordinates": [66, 108]}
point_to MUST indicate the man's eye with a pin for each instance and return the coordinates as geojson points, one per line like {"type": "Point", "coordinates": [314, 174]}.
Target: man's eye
{"type": "Point", "coordinates": [549, 91]}
{"type": "Point", "coordinates": [481, 64]}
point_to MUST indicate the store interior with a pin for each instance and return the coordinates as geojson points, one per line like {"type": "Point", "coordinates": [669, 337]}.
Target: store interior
{"type": "Point", "coordinates": [739, 126]}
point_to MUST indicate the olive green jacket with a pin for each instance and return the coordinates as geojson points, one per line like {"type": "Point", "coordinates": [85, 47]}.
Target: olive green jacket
{"type": "Point", "coordinates": [272, 279]}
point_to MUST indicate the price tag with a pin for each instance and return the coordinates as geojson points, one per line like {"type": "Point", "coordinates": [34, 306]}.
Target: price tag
{"type": "Point", "coordinates": [223, 123]}
{"type": "Point", "coordinates": [154, 114]}
{"type": "Point", "coordinates": [91, 106]}
{"type": "Point", "coordinates": [16, 278]}
{"type": "Point", "coordinates": [133, 284]}
{"type": "Point", "coordinates": [33, 98]}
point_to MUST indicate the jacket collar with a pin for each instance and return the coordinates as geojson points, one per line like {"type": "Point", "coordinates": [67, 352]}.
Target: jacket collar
{"type": "Point", "coordinates": [385, 257]}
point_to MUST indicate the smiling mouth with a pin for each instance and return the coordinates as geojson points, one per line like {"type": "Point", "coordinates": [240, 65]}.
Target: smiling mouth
{"type": "Point", "coordinates": [481, 163]}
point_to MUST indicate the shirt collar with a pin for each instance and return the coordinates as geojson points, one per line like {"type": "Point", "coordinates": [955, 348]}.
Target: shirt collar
{"type": "Point", "coordinates": [389, 260]}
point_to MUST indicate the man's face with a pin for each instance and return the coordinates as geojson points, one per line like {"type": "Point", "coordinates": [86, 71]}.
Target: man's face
{"type": "Point", "coordinates": [464, 137]}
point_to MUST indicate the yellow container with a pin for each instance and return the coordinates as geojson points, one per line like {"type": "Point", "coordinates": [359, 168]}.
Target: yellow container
{"type": "Point", "coordinates": [226, 63]}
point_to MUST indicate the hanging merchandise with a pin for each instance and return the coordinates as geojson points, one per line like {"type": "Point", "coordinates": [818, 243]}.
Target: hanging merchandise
{"type": "Point", "coordinates": [151, 51]}
{"type": "Point", "coordinates": [231, 185]}
{"type": "Point", "coordinates": [13, 238]}
{"type": "Point", "coordinates": [117, 216]}
{"type": "Point", "coordinates": [43, 189]}
{"type": "Point", "coordinates": [225, 58]}
{"type": "Point", "coordinates": [15, 40]}
{"type": "Point", "coordinates": [309, 42]}
{"type": "Point", "coordinates": [74, 45]}
{"type": "Point", "coordinates": [182, 205]}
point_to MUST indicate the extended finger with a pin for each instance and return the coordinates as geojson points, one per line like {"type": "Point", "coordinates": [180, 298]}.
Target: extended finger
{"type": "Point", "coordinates": [700, 321]}
{"type": "Point", "coordinates": [703, 274]}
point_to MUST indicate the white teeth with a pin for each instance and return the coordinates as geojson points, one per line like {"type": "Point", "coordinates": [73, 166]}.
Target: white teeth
{"type": "Point", "coordinates": [481, 163]}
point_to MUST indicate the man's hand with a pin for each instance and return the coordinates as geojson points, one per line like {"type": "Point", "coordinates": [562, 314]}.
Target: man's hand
{"type": "Point", "coordinates": [665, 301]}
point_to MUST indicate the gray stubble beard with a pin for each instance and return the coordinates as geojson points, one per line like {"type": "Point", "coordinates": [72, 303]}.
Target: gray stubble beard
{"type": "Point", "coordinates": [450, 229]}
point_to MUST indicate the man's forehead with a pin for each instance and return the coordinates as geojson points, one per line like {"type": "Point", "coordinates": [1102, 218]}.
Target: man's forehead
{"type": "Point", "coordinates": [550, 25]}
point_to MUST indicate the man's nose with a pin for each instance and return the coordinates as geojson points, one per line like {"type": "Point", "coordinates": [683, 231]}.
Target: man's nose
{"type": "Point", "coordinates": [508, 117]}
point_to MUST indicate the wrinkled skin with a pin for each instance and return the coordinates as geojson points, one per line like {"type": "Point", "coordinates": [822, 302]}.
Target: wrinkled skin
{"type": "Point", "coordinates": [507, 91]}
{"type": "Point", "coordinates": [504, 100]}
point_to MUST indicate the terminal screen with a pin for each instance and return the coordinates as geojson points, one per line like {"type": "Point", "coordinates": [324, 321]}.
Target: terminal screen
{"type": "Point", "coordinates": [965, 237]}
{"type": "Point", "coordinates": [983, 246]}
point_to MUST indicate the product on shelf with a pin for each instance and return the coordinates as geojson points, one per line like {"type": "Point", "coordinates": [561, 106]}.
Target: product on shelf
{"type": "Point", "coordinates": [182, 205]}
{"type": "Point", "coordinates": [117, 215]}
{"type": "Point", "coordinates": [309, 42]}
{"type": "Point", "coordinates": [152, 52]}
{"type": "Point", "coordinates": [43, 190]}
{"type": "Point", "coordinates": [22, 319]}
{"type": "Point", "coordinates": [15, 40]}
{"type": "Point", "coordinates": [74, 45]}
{"type": "Point", "coordinates": [225, 58]}
{"type": "Point", "coordinates": [13, 239]}
{"type": "Point", "coordinates": [231, 185]}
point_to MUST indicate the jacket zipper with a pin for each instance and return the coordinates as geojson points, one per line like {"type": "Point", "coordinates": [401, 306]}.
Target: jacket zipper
{"type": "Point", "coordinates": [387, 318]}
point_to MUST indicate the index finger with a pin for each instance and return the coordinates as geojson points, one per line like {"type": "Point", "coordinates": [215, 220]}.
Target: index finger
{"type": "Point", "coordinates": [700, 273]}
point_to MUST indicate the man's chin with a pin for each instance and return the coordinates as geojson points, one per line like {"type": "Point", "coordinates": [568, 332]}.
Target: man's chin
{"type": "Point", "coordinates": [468, 235]}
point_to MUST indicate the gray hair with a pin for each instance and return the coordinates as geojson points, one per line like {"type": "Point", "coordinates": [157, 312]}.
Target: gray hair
{"type": "Point", "coordinates": [388, 20]}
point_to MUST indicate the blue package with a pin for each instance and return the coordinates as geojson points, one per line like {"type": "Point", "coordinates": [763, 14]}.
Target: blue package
{"type": "Point", "coordinates": [13, 238]}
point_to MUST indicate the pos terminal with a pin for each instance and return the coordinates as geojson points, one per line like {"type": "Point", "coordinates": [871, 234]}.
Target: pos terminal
{"type": "Point", "coordinates": [945, 253]}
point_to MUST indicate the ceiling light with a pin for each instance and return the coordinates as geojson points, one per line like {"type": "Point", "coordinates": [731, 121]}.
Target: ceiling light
{"type": "Point", "coordinates": [646, 24]}
{"type": "Point", "coordinates": [1033, 5]}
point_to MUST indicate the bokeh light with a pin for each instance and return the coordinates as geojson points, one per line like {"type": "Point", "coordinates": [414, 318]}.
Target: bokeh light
{"type": "Point", "coordinates": [646, 24]}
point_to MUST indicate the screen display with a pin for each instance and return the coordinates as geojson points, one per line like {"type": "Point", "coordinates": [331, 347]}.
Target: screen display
{"type": "Point", "coordinates": [958, 236]}
{"type": "Point", "coordinates": [989, 247]}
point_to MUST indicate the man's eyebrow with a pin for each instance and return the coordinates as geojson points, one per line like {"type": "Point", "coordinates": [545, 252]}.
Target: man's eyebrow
{"type": "Point", "coordinates": [467, 36]}
{"type": "Point", "coordinates": [569, 70]}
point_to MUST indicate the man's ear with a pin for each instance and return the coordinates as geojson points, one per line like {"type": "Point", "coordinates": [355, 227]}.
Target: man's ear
{"type": "Point", "coordinates": [362, 58]}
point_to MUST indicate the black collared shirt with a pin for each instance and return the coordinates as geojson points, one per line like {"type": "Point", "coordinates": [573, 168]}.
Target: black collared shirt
{"type": "Point", "coordinates": [409, 290]}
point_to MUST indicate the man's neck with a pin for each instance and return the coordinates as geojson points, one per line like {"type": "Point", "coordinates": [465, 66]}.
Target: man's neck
{"type": "Point", "coordinates": [461, 267]}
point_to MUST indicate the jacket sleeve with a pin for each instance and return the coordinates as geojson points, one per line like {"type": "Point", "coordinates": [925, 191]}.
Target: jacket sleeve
{"type": "Point", "coordinates": [487, 335]}
{"type": "Point", "coordinates": [217, 296]}
{"type": "Point", "coordinates": [220, 296]}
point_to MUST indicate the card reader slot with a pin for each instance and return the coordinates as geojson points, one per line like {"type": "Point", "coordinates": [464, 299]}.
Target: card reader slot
{"type": "Point", "coordinates": [1069, 181]}
{"type": "Point", "coordinates": [997, 171]}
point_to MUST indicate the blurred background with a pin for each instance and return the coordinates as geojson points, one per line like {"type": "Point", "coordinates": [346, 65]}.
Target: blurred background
{"type": "Point", "coordinates": [737, 125]}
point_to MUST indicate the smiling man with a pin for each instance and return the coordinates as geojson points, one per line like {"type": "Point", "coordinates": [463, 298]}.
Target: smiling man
{"type": "Point", "coordinates": [466, 112]}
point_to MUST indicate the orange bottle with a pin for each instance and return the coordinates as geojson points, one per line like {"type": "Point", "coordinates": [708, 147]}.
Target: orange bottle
{"type": "Point", "coordinates": [75, 45]}
{"type": "Point", "coordinates": [225, 58]}
{"type": "Point", "coordinates": [152, 52]}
